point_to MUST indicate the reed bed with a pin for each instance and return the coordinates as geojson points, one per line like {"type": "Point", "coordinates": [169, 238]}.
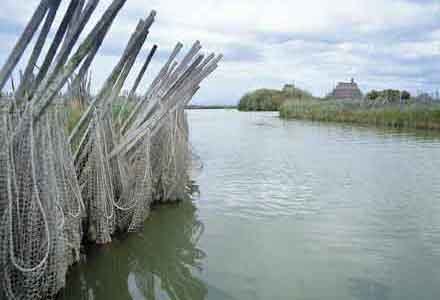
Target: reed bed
{"type": "Point", "coordinates": [412, 115]}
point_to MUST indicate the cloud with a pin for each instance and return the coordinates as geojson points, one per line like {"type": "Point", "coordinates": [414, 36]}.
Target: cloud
{"type": "Point", "coordinates": [268, 43]}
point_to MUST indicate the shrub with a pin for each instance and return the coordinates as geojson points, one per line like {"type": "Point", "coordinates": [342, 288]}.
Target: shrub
{"type": "Point", "coordinates": [406, 95]}
{"type": "Point", "coordinates": [269, 99]}
{"type": "Point", "coordinates": [373, 95]}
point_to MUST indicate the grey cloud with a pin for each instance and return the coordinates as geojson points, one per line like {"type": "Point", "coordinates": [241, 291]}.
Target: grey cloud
{"type": "Point", "coordinates": [242, 53]}
{"type": "Point", "coordinates": [315, 58]}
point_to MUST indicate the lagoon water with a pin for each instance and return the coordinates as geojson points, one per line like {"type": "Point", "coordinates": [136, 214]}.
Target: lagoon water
{"type": "Point", "coordinates": [285, 210]}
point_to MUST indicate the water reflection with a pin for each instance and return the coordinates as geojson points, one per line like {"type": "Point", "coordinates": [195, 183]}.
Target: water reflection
{"type": "Point", "coordinates": [367, 289]}
{"type": "Point", "coordinates": [296, 210]}
{"type": "Point", "coordinates": [159, 263]}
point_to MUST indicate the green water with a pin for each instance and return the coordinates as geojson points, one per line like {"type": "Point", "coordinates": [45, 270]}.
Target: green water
{"type": "Point", "coordinates": [287, 210]}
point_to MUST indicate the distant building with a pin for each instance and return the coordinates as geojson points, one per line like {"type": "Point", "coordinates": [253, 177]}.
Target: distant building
{"type": "Point", "coordinates": [346, 91]}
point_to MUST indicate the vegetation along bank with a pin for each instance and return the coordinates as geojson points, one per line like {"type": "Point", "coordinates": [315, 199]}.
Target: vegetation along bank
{"type": "Point", "coordinates": [393, 108]}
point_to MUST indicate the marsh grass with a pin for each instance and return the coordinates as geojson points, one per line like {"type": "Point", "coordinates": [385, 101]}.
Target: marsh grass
{"type": "Point", "coordinates": [120, 112]}
{"type": "Point", "coordinates": [74, 113]}
{"type": "Point", "coordinates": [415, 115]}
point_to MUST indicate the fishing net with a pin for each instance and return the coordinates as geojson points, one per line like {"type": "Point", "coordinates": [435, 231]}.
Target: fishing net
{"type": "Point", "coordinates": [94, 177]}
{"type": "Point", "coordinates": [140, 191]}
{"type": "Point", "coordinates": [55, 190]}
{"type": "Point", "coordinates": [4, 132]}
{"type": "Point", "coordinates": [170, 159]}
{"type": "Point", "coordinates": [40, 226]}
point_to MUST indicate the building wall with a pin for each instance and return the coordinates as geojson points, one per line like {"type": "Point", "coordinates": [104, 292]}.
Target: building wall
{"type": "Point", "coordinates": [346, 91]}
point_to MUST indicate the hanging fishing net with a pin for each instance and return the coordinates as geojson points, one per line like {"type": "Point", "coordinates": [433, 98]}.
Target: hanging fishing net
{"type": "Point", "coordinates": [58, 188]}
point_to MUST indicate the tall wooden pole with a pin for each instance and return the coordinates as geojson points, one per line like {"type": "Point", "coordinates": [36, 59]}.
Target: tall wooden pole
{"type": "Point", "coordinates": [44, 95]}
{"type": "Point", "coordinates": [142, 71]}
{"type": "Point", "coordinates": [56, 42]}
{"type": "Point", "coordinates": [22, 42]}
{"type": "Point", "coordinates": [28, 72]}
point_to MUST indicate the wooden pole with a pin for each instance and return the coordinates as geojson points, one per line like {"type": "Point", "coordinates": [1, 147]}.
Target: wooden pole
{"type": "Point", "coordinates": [142, 71]}
{"type": "Point", "coordinates": [71, 39]}
{"type": "Point", "coordinates": [153, 88]}
{"type": "Point", "coordinates": [140, 40]}
{"type": "Point", "coordinates": [111, 80]}
{"type": "Point", "coordinates": [22, 42]}
{"type": "Point", "coordinates": [186, 78]}
{"type": "Point", "coordinates": [137, 81]}
{"type": "Point", "coordinates": [28, 72]}
{"type": "Point", "coordinates": [44, 96]}
{"type": "Point", "coordinates": [109, 94]}
{"type": "Point", "coordinates": [76, 17]}
{"type": "Point", "coordinates": [56, 42]}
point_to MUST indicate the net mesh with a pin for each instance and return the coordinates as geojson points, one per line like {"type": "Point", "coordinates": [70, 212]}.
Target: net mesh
{"type": "Point", "coordinates": [56, 190]}
{"type": "Point", "coordinates": [40, 226]}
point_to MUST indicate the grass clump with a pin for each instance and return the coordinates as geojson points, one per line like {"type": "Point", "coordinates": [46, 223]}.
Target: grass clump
{"type": "Point", "coordinates": [120, 110]}
{"type": "Point", "coordinates": [74, 113]}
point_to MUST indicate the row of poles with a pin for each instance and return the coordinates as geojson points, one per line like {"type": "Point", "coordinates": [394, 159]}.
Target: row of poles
{"type": "Point", "coordinates": [59, 189]}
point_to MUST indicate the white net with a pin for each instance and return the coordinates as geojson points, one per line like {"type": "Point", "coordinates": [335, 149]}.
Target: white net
{"type": "Point", "coordinates": [40, 227]}
{"type": "Point", "coordinates": [57, 190]}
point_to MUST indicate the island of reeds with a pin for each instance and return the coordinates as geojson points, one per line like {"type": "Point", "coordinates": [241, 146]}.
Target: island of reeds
{"type": "Point", "coordinates": [346, 103]}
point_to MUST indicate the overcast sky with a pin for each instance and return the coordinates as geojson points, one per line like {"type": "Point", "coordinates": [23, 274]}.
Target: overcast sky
{"type": "Point", "coordinates": [314, 43]}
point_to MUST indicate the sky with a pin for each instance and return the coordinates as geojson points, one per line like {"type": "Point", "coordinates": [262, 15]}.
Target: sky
{"type": "Point", "coordinates": [313, 44]}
